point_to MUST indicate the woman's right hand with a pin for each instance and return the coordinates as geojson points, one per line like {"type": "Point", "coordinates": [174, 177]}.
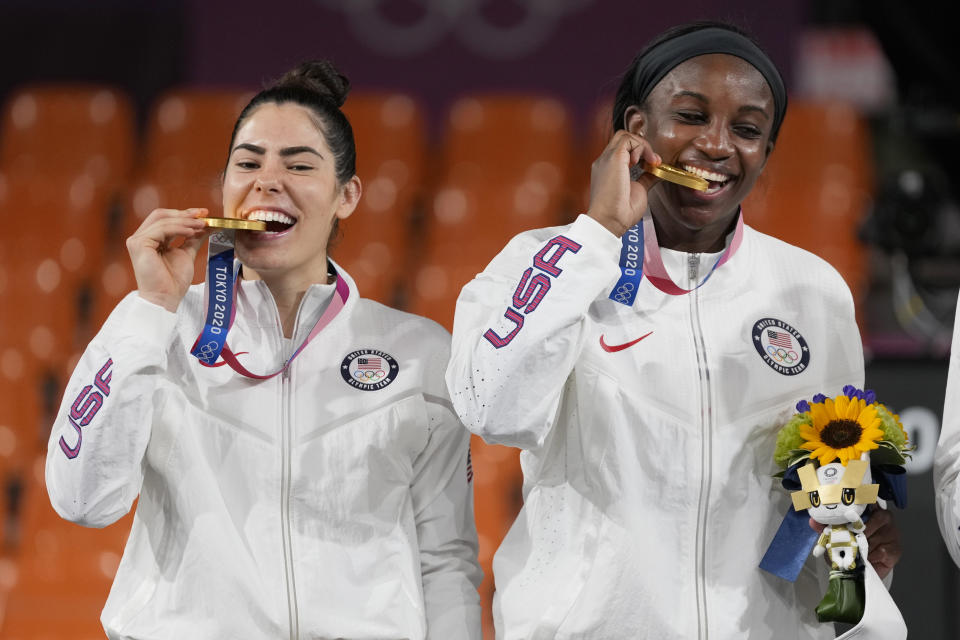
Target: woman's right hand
{"type": "Point", "coordinates": [162, 266]}
{"type": "Point", "coordinates": [616, 201]}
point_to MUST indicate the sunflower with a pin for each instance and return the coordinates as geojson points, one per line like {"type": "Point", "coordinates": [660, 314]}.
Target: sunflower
{"type": "Point", "coordinates": [842, 428]}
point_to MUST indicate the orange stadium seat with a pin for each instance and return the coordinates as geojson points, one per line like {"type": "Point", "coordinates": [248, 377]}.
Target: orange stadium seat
{"type": "Point", "coordinates": [184, 153]}
{"type": "Point", "coordinates": [595, 138]}
{"type": "Point", "coordinates": [56, 231]}
{"type": "Point", "coordinates": [23, 432]}
{"type": "Point", "coordinates": [186, 146]}
{"type": "Point", "coordinates": [53, 246]}
{"type": "Point", "coordinates": [20, 369]}
{"type": "Point", "coordinates": [69, 130]}
{"type": "Point", "coordinates": [391, 137]}
{"type": "Point", "coordinates": [817, 187]}
{"type": "Point", "coordinates": [63, 571]}
{"type": "Point", "coordinates": [64, 217]}
{"type": "Point", "coordinates": [505, 168]}
{"type": "Point", "coordinates": [66, 152]}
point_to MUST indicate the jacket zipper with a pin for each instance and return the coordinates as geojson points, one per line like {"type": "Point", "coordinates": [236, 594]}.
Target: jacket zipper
{"type": "Point", "coordinates": [286, 448]}
{"type": "Point", "coordinates": [706, 420]}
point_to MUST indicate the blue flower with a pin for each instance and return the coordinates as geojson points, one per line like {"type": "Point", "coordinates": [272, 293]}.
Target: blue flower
{"type": "Point", "coordinates": [867, 396]}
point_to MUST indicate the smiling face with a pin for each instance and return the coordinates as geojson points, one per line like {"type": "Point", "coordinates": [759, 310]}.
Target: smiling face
{"type": "Point", "coordinates": [711, 115]}
{"type": "Point", "coordinates": [281, 170]}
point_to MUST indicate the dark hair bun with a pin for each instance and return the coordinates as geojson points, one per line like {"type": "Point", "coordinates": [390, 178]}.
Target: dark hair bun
{"type": "Point", "coordinates": [319, 76]}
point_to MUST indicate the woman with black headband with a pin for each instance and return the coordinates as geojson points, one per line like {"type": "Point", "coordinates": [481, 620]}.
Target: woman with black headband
{"type": "Point", "coordinates": [298, 469]}
{"type": "Point", "coordinates": [627, 355]}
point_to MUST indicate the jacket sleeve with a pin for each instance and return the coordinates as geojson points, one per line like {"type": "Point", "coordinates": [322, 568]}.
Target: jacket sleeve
{"type": "Point", "coordinates": [520, 327]}
{"type": "Point", "coordinates": [101, 431]}
{"type": "Point", "coordinates": [443, 507]}
{"type": "Point", "coordinates": [946, 463]}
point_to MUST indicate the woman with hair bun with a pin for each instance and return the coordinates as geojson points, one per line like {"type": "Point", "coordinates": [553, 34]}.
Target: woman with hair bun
{"type": "Point", "coordinates": [299, 468]}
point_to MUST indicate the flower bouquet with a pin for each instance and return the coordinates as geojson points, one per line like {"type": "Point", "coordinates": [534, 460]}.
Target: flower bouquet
{"type": "Point", "coordinates": [837, 456]}
{"type": "Point", "coordinates": [842, 428]}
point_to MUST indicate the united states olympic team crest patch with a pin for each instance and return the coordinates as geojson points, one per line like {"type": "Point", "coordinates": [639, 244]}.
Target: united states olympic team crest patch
{"type": "Point", "coordinates": [369, 369]}
{"type": "Point", "coordinates": [781, 346]}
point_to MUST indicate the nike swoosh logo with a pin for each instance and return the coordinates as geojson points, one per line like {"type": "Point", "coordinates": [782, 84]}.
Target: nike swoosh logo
{"type": "Point", "coordinates": [620, 347]}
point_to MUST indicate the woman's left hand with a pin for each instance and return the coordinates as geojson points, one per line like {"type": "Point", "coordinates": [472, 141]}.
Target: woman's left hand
{"type": "Point", "coordinates": [883, 537]}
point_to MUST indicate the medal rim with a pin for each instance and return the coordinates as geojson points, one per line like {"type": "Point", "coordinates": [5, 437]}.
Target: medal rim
{"type": "Point", "coordinates": [678, 176]}
{"type": "Point", "coordinates": [235, 223]}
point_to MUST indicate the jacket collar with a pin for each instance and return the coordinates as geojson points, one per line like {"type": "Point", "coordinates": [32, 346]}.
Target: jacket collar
{"type": "Point", "coordinates": [256, 304]}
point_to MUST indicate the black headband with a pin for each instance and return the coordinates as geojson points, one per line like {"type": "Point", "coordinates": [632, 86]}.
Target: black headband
{"type": "Point", "coordinates": [660, 60]}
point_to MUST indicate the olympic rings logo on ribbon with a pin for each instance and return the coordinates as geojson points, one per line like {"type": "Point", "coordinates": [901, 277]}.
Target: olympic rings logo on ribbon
{"type": "Point", "coordinates": [369, 375]}
{"type": "Point", "coordinates": [208, 351]}
{"type": "Point", "coordinates": [782, 355]}
{"type": "Point", "coordinates": [623, 293]}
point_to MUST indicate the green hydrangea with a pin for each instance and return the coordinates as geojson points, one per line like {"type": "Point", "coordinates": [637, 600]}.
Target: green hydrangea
{"type": "Point", "coordinates": [890, 425]}
{"type": "Point", "coordinates": [789, 439]}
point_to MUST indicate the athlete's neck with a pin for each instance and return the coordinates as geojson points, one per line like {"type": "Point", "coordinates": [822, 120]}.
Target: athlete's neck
{"type": "Point", "coordinates": [287, 294]}
{"type": "Point", "coordinates": [708, 239]}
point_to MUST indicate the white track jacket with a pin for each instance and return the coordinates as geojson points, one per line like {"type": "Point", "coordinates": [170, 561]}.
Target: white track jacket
{"type": "Point", "coordinates": [648, 432]}
{"type": "Point", "coordinates": [310, 505]}
{"type": "Point", "coordinates": [946, 464]}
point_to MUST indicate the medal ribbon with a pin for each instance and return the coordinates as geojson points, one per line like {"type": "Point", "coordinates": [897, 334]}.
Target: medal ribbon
{"type": "Point", "coordinates": [640, 248]}
{"type": "Point", "coordinates": [631, 266]}
{"type": "Point", "coordinates": [221, 278]}
{"type": "Point", "coordinates": [222, 306]}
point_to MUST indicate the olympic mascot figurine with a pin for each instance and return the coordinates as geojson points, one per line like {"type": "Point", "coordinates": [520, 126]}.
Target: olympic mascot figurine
{"type": "Point", "coordinates": [834, 496]}
{"type": "Point", "coordinates": [831, 451]}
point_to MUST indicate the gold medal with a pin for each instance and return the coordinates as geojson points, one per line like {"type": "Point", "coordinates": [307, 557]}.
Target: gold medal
{"type": "Point", "coordinates": [236, 223]}
{"type": "Point", "coordinates": [677, 176]}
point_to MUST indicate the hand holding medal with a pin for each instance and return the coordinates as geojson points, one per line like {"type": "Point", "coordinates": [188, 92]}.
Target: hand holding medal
{"type": "Point", "coordinates": [623, 175]}
{"type": "Point", "coordinates": [163, 252]}
{"type": "Point", "coordinates": [618, 197]}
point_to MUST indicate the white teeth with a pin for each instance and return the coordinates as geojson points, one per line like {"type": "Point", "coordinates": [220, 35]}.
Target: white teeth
{"type": "Point", "coordinates": [707, 175]}
{"type": "Point", "coordinates": [270, 216]}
